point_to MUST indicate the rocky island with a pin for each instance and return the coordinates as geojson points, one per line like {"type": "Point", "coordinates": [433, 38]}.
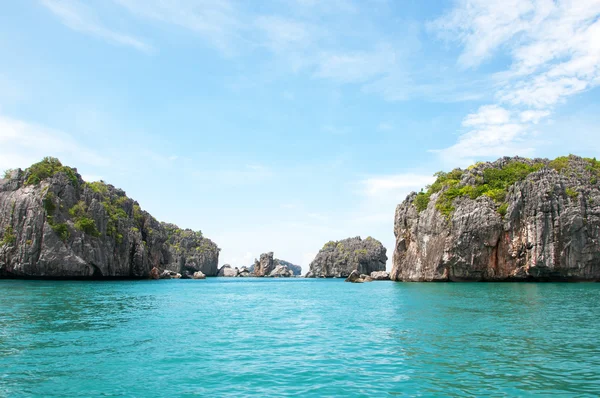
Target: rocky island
{"type": "Point", "coordinates": [55, 225]}
{"type": "Point", "coordinates": [514, 219]}
{"type": "Point", "coordinates": [337, 259]}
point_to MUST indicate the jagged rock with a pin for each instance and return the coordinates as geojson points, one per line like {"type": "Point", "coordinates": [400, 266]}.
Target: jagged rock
{"type": "Point", "coordinates": [380, 275]}
{"type": "Point", "coordinates": [296, 269]}
{"type": "Point", "coordinates": [154, 273]}
{"type": "Point", "coordinates": [55, 225]}
{"type": "Point", "coordinates": [245, 273]}
{"type": "Point", "coordinates": [281, 271]}
{"type": "Point", "coordinates": [265, 265]}
{"type": "Point", "coordinates": [339, 259]}
{"type": "Point", "coordinates": [309, 274]}
{"type": "Point", "coordinates": [227, 271]}
{"type": "Point", "coordinates": [198, 275]}
{"type": "Point", "coordinates": [538, 220]}
{"type": "Point", "coordinates": [366, 278]}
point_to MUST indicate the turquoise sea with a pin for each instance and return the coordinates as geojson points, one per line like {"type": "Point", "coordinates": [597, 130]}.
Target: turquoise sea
{"type": "Point", "coordinates": [274, 337]}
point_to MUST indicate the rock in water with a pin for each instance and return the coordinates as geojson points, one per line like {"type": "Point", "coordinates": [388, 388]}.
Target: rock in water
{"type": "Point", "coordinates": [281, 271]}
{"type": "Point", "coordinates": [55, 225]}
{"type": "Point", "coordinates": [356, 277]}
{"type": "Point", "coordinates": [227, 271]}
{"type": "Point", "coordinates": [265, 265]}
{"type": "Point", "coordinates": [513, 219]}
{"type": "Point", "coordinates": [339, 259]}
{"type": "Point", "coordinates": [244, 273]}
{"type": "Point", "coordinates": [296, 269]}
{"type": "Point", "coordinates": [154, 273]}
{"type": "Point", "coordinates": [198, 275]}
{"type": "Point", "coordinates": [380, 276]}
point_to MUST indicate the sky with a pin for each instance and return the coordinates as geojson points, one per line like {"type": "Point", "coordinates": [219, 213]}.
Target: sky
{"type": "Point", "coordinates": [279, 125]}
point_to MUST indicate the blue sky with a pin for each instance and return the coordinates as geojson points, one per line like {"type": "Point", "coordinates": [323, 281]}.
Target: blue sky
{"type": "Point", "coordinates": [281, 125]}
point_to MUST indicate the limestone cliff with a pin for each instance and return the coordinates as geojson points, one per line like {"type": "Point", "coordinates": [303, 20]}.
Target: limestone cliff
{"type": "Point", "coordinates": [338, 259]}
{"type": "Point", "coordinates": [513, 219]}
{"type": "Point", "coordinates": [55, 225]}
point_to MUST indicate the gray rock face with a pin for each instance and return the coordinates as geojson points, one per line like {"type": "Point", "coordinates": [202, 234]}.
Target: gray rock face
{"type": "Point", "coordinates": [227, 271]}
{"type": "Point", "coordinates": [54, 225]}
{"type": "Point", "coordinates": [546, 228]}
{"type": "Point", "coordinates": [265, 265]}
{"type": "Point", "coordinates": [339, 259]}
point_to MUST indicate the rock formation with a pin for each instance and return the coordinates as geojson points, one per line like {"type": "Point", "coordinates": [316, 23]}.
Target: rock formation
{"type": "Point", "coordinates": [356, 277]}
{"type": "Point", "coordinates": [339, 259]}
{"type": "Point", "coordinates": [296, 269]}
{"type": "Point", "coordinates": [55, 225]}
{"type": "Point", "coordinates": [380, 276]}
{"type": "Point", "coordinates": [265, 265]}
{"type": "Point", "coordinates": [227, 271]}
{"type": "Point", "coordinates": [281, 271]}
{"type": "Point", "coordinates": [513, 219]}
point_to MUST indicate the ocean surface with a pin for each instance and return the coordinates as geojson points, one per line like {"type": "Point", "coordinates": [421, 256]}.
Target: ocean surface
{"type": "Point", "coordinates": [276, 337]}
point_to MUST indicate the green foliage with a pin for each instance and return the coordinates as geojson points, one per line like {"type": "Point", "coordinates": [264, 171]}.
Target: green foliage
{"type": "Point", "coordinates": [79, 210]}
{"type": "Point", "coordinates": [494, 184]}
{"type": "Point", "coordinates": [573, 194]}
{"type": "Point", "coordinates": [560, 163]}
{"type": "Point", "coordinates": [8, 237]}
{"type": "Point", "coordinates": [47, 168]}
{"type": "Point", "coordinates": [340, 246]}
{"type": "Point", "coordinates": [421, 201]}
{"type": "Point", "coordinates": [98, 187]}
{"type": "Point", "coordinates": [48, 203]}
{"type": "Point", "coordinates": [87, 225]}
{"type": "Point", "coordinates": [503, 209]}
{"type": "Point", "coordinates": [61, 230]}
{"type": "Point", "coordinates": [330, 244]}
{"type": "Point", "coordinates": [8, 173]}
{"type": "Point", "coordinates": [360, 251]}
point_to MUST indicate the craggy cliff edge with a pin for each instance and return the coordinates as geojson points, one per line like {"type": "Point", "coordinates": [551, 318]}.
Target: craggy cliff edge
{"type": "Point", "coordinates": [55, 225]}
{"type": "Point", "coordinates": [513, 219]}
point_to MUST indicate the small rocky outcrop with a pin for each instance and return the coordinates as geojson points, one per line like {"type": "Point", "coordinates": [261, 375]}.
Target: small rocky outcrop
{"type": "Point", "coordinates": [513, 219]}
{"type": "Point", "coordinates": [338, 259]}
{"type": "Point", "coordinates": [356, 277]}
{"type": "Point", "coordinates": [265, 265]}
{"type": "Point", "coordinates": [227, 271]}
{"type": "Point", "coordinates": [296, 269]}
{"type": "Point", "coordinates": [281, 271]}
{"type": "Point", "coordinates": [245, 273]}
{"type": "Point", "coordinates": [380, 276]}
{"type": "Point", "coordinates": [55, 225]}
{"type": "Point", "coordinates": [198, 275]}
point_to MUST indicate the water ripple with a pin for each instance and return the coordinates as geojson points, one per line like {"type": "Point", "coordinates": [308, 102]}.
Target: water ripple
{"type": "Point", "coordinates": [298, 338]}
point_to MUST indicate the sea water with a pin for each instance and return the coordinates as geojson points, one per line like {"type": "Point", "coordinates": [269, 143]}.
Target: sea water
{"type": "Point", "coordinates": [298, 337]}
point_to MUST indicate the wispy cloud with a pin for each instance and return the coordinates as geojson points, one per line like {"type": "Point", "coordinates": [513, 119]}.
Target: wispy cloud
{"type": "Point", "coordinates": [79, 17]}
{"type": "Point", "coordinates": [23, 143]}
{"type": "Point", "coordinates": [218, 22]}
{"type": "Point", "coordinates": [395, 185]}
{"type": "Point", "coordinates": [555, 51]}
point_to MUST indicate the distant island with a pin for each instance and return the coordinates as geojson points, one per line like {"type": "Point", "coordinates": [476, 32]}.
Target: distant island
{"type": "Point", "coordinates": [514, 219]}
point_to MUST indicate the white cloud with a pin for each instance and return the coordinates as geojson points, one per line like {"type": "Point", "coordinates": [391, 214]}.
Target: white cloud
{"type": "Point", "coordinates": [23, 143]}
{"type": "Point", "coordinates": [395, 185]}
{"type": "Point", "coordinates": [356, 67]}
{"type": "Point", "coordinates": [486, 115]}
{"type": "Point", "coordinates": [555, 52]}
{"type": "Point", "coordinates": [79, 17]}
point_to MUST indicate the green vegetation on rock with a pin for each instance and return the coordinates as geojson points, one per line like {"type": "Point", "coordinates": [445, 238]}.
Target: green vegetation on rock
{"type": "Point", "coordinates": [47, 168]}
{"type": "Point", "coordinates": [82, 220]}
{"type": "Point", "coordinates": [8, 237]}
{"type": "Point", "coordinates": [494, 182]}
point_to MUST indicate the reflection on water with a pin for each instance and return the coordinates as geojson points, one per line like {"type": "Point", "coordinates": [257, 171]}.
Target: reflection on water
{"type": "Point", "coordinates": [232, 337]}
